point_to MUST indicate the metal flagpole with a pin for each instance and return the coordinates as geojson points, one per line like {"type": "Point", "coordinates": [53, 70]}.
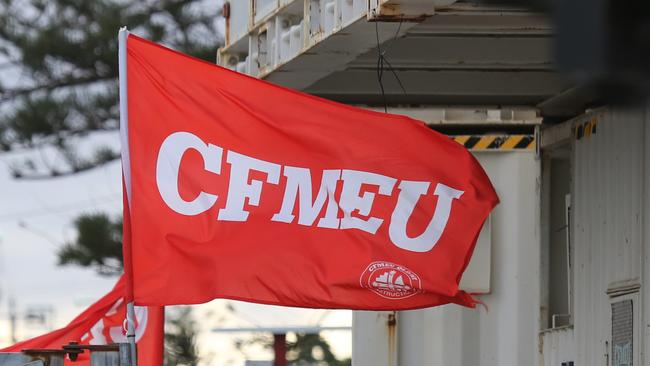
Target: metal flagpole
{"type": "Point", "coordinates": [130, 332]}
{"type": "Point", "coordinates": [124, 122]}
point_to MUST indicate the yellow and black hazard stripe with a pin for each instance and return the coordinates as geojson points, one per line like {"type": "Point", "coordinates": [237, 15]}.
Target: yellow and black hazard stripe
{"type": "Point", "coordinates": [585, 129]}
{"type": "Point", "coordinates": [496, 142]}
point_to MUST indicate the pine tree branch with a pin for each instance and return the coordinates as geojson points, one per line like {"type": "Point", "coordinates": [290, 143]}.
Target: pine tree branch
{"type": "Point", "coordinates": [57, 174]}
{"type": "Point", "coordinates": [12, 94]}
{"type": "Point", "coordinates": [66, 51]}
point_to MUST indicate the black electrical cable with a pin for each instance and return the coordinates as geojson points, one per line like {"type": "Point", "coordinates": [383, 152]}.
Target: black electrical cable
{"type": "Point", "coordinates": [380, 68]}
{"type": "Point", "coordinates": [381, 60]}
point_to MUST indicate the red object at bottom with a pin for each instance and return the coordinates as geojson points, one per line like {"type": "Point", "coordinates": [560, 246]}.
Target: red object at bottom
{"type": "Point", "coordinates": [280, 349]}
{"type": "Point", "coordinates": [103, 323]}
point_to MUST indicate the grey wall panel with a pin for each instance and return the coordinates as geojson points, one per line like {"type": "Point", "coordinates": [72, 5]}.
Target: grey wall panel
{"type": "Point", "coordinates": [607, 229]}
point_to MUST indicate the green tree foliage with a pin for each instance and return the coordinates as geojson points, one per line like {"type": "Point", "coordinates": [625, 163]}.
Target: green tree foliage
{"type": "Point", "coordinates": [98, 245]}
{"type": "Point", "coordinates": [59, 64]}
{"type": "Point", "coordinates": [180, 335]}
{"type": "Point", "coordinates": [307, 349]}
{"type": "Point", "coordinates": [312, 349]}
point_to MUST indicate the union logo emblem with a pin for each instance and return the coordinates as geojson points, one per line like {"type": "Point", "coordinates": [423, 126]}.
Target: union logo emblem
{"type": "Point", "coordinates": [390, 280]}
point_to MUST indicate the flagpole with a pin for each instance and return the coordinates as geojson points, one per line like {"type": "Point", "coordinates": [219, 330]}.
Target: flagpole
{"type": "Point", "coordinates": [126, 172]}
{"type": "Point", "coordinates": [130, 333]}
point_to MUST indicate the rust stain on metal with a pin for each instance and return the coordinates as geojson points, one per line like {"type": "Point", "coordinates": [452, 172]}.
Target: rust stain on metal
{"type": "Point", "coordinates": [398, 18]}
{"type": "Point", "coordinates": [394, 13]}
{"type": "Point", "coordinates": [391, 324]}
{"type": "Point", "coordinates": [387, 9]}
{"type": "Point", "coordinates": [225, 12]}
{"type": "Point", "coordinates": [227, 40]}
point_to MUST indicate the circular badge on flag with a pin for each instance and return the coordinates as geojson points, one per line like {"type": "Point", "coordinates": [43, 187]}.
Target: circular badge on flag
{"type": "Point", "coordinates": [390, 280]}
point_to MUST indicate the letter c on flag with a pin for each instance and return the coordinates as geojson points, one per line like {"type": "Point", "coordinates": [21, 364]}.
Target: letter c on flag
{"type": "Point", "coordinates": [168, 166]}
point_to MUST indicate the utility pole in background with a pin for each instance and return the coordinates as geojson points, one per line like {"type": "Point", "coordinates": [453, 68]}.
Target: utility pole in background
{"type": "Point", "coordinates": [12, 320]}
{"type": "Point", "coordinates": [13, 317]}
{"type": "Point", "coordinates": [12, 302]}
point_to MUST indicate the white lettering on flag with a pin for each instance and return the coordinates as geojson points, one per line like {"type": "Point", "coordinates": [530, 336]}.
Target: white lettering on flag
{"type": "Point", "coordinates": [299, 186]}
{"type": "Point", "coordinates": [168, 167]}
{"type": "Point", "coordinates": [351, 201]}
{"type": "Point", "coordinates": [239, 189]}
{"type": "Point", "coordinates": [242, 190]}
{"type": "Point", "coordinates": [410, 193]}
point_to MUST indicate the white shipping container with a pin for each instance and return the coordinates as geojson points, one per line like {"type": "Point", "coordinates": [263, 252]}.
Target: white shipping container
{"type": "Point", "coordinates": [608, 227]}
{"type": "Point", "coordinates": [506, 334]}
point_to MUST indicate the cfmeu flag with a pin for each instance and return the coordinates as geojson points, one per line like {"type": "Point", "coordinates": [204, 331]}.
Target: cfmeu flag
{"type": "Point", "coordinates": [245, 190]}
{"type": "Point", "coordinates": [103, 323]}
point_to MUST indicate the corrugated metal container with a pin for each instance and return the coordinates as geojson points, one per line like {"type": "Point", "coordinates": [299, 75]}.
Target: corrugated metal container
{"type": "Point", "coordinates": [263, 35]}
{"type": "Point", "coordinates": [507, 333]}
{"type": "Point", "coordinates": [374, 338]}
{"type": "Point", "coordinates": [645, 300]}
{"type": "Point", "coordinates": [607, 230]}
{"type": "Point", "coordinates": [557, 346]}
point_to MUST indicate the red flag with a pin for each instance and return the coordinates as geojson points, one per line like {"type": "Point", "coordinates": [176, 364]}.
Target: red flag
{"type": "Point", "coordinates": [103, 323]}
{"type": "Point", "coordinates": [245, 190]}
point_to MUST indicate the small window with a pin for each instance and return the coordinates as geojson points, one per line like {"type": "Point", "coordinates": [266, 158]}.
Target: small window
{"type": "Point", "coordinates": [624, 345]}
{"type": "Point", "coordinates": [622, 333]}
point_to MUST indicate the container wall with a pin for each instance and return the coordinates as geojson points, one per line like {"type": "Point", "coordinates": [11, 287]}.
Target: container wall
{"type": "Point", "coordinates": [645, 291]}
{"type": "Point", "coordinates": [506, 334]}
{"type": "Point", "coordinates": [607, 225]}
{"type": "Point", "coordinates": [238, 21]}
{"type": "Point", "coordinates": [374, 338]}
{"type": "Point", "coordinates": [558, 346]}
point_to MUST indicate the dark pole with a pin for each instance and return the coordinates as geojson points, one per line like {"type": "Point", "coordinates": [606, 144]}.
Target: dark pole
{"type": "Point", "coordinates": [280, 349]}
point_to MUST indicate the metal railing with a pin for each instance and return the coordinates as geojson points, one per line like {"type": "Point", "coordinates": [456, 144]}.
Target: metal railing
{"type": "Point", "coordinates": [117, 354]}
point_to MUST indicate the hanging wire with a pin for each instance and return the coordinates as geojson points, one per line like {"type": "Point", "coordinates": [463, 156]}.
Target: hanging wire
{"type": "Point", "coordinates": [380, 68]}
{"type": "Point", "coordinates": [392, 70]}
{"type": "Point", "coordinates": [382, 61]}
